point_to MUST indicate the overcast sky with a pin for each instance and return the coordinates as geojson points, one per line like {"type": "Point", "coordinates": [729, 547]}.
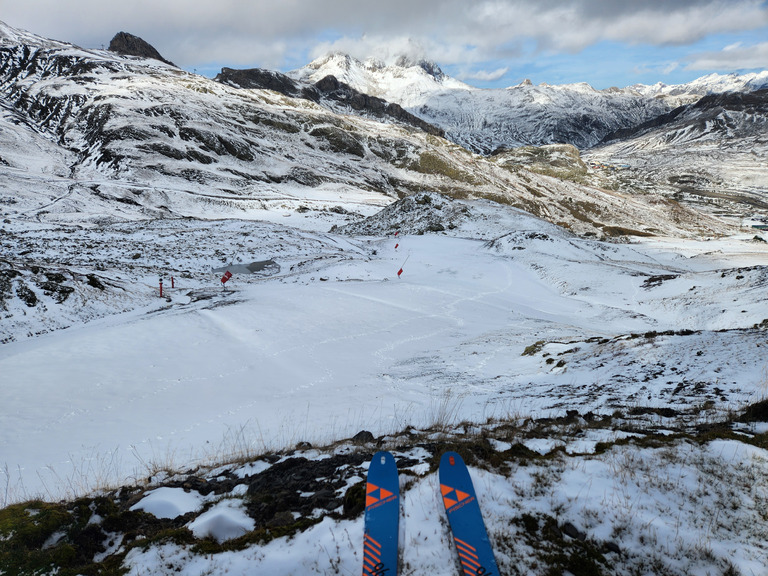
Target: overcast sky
{"type": "Point", "coordinates": [494, 43]}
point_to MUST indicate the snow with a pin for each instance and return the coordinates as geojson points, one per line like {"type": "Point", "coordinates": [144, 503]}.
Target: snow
{"type": "Point", "coordinates": [169, 502]}
{"type": "Point", "coordinates": [679, 94]}
{"type": "Point", "coordinates": [653, 502]}
{"type": "Point", "coordinates": [225, 521]}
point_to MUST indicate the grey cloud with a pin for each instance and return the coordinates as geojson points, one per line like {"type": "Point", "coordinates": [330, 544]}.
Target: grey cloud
{"type": "Point", "coordinates": [449, 31]}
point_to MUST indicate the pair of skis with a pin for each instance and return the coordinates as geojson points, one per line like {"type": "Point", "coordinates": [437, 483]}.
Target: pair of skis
{"type": "Point", "coordinates": [382, 513]}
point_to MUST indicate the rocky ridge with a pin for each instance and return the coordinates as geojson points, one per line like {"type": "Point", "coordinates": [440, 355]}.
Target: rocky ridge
{"type": "Point", "coordinates": [130, 45]}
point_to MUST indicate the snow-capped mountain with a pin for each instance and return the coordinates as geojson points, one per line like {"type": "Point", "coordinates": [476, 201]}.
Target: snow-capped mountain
{"type": "Point", "coordinates": [485, 120]}
{"type": "Point", "coordinates": [680, 94]}
{"type": "Point", "coordinates": [328, 91]}
{"type": "Point", "coordinates": [408, 82]}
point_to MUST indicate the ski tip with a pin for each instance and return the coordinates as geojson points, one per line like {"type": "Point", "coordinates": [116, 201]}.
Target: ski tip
{"type": "Point", "coordinates": [450, 459]}
{"type": "Point", "coordinates": [382, 457]}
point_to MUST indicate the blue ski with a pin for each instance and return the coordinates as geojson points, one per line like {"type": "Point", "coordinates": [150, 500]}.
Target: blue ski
{"type": "Point", "coordinates": [382, 514]}
{"type": "Point", "coordinates": [464, 516]}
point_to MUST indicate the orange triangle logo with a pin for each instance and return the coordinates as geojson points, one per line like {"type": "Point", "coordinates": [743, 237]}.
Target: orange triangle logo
{"type": "Point", "coordinates": [384, 494]}
{"type": "Point", "coordinates": [370, 497]}
{"type": "Point", "coordinates": [461, 495]}
{"type": "Point", "coordinates": [448, 502]}
{"type": "Point", "coordinates": [445, 489]}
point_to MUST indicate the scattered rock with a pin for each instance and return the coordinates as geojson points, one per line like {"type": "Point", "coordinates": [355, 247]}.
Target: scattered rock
{"type": "Point", "coordinates": [424, 212]}
{"type": "Point", "coordinates": [26, 295]}
{"type": "Point", "coordinates": [363, 437]}
{"type": "Point", "coordinates": [282, 518]}
{"type": "Point", "coordinates": [571, 530]}
{"type": "Point", "coordinates": [94, 282]}
{"type": "Point", "coordinates": [653, 281]}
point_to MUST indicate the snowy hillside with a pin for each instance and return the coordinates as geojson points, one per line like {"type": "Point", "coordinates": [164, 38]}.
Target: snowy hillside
{"type": "Point", "coordinates": [716, 150]}
{"type": "Point", "coordinates": [498, 320]}
{"type": "Point", "coordinates": [163, 143]}
{"type": "Point", "coordinates": [596, 352]}
{"type": "Point", "coordinates": [712, 154]}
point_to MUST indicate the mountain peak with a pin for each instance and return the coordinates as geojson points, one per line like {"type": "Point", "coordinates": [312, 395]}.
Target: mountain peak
{"type": "Point", "coordinates": [339, 60]}
{"type": "Point", "coordinates": [130, 45]}
{"type": "Point", "coordinates": [430, 67]}
{"type": "Point", "coordinates": [406, 79]}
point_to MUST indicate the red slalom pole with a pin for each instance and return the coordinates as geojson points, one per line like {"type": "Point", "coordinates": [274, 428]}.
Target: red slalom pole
{"type": "Point", "coordinates": [403, 266]}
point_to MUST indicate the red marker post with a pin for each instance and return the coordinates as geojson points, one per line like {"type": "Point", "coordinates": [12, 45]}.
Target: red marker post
{"type": "Point", "coordinates": [403, 266]}
{"type": "Point", "coordinates": [161, 287]}
{"type": "Point", "coordinates": [227, 276]}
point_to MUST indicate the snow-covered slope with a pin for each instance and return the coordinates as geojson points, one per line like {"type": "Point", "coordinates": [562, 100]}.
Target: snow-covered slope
{"type": "Point", "coordinates": [553, 344]}
{"type": "Point", "coordinates": [712, 154]}
{"type": "Point", "coordinates": [331, 319]}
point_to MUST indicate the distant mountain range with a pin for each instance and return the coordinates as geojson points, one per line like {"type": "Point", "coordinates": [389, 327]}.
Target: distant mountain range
{"type": "Point", "coordinates": [484, 120]}
{"type": "Point", "coordinates": [95, 135]}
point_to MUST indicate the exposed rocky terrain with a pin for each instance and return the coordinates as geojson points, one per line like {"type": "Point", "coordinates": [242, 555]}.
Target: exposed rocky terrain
{"type": "Point", "coordinates": [130, 45]}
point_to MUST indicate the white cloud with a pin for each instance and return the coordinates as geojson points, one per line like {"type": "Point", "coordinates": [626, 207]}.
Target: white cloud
{"type": "Point", "coordinates": [383, 48]}
{"type": "Point", "coordinates": [680, 27]}
{"type": "Point", "coordinates": [731, 58]}
{"type": "Point", "coordinates": [486, 76]}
